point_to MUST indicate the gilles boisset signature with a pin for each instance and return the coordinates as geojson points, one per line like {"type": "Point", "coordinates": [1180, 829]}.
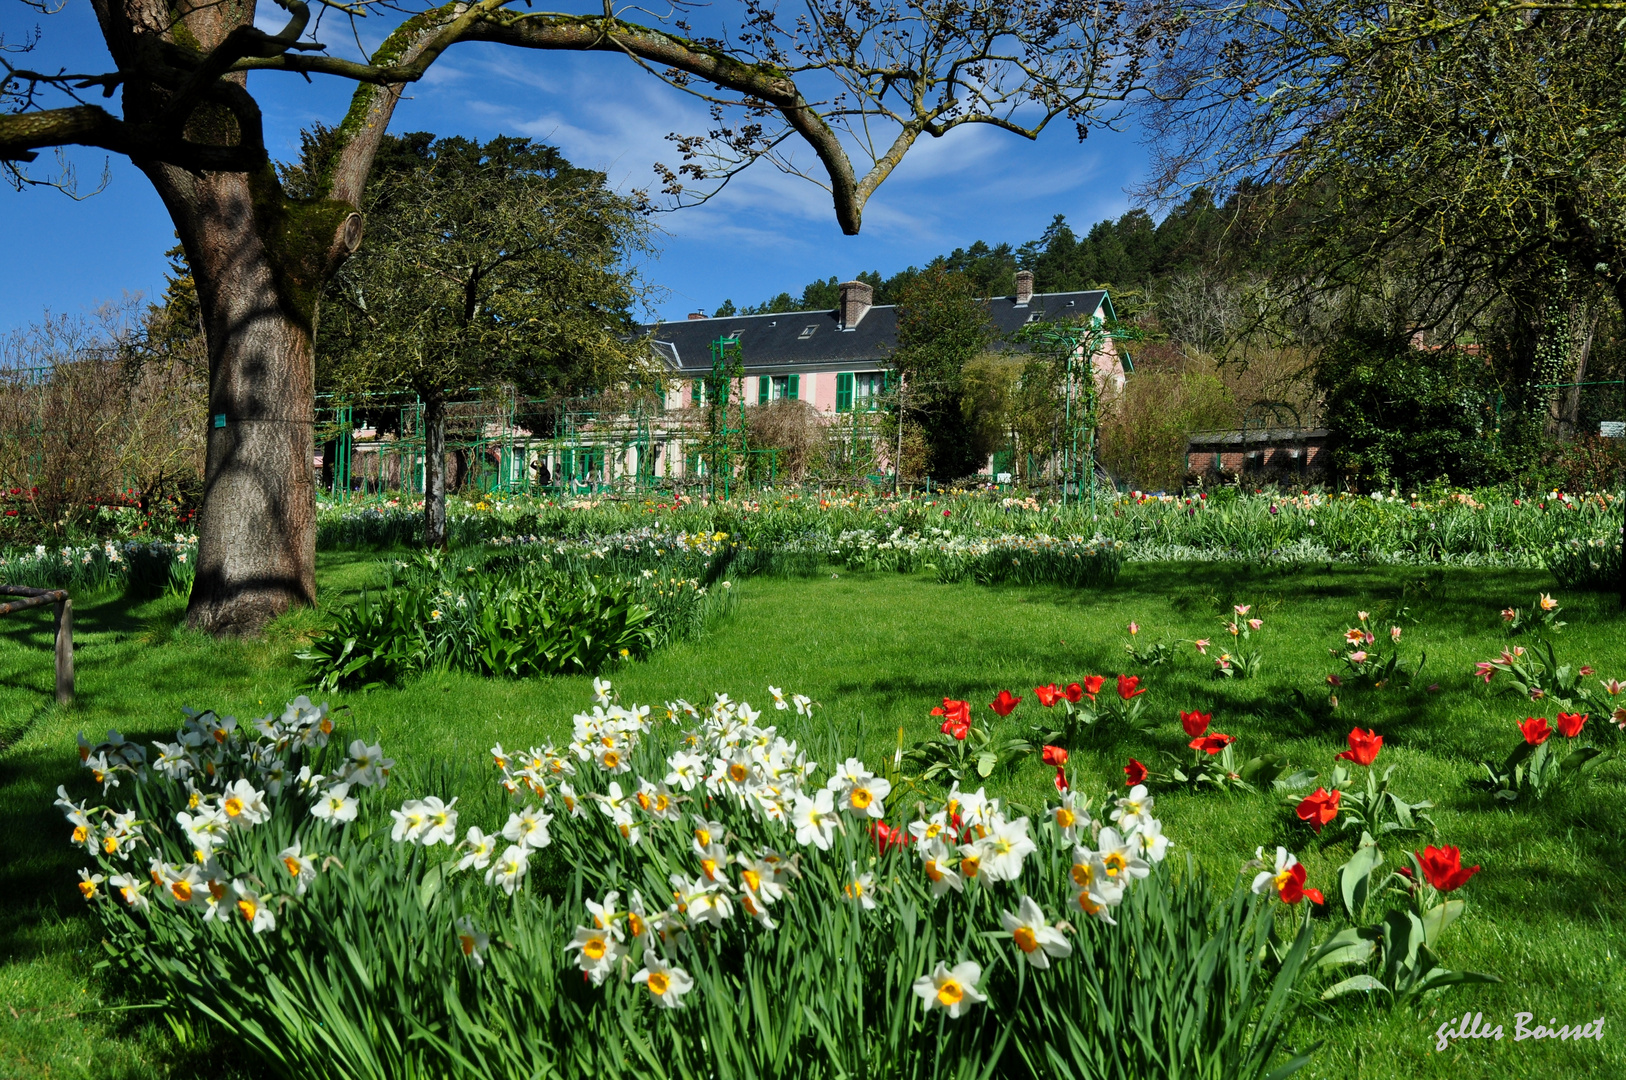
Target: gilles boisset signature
{"type": "Point", "coordinates": [1471, 1026]}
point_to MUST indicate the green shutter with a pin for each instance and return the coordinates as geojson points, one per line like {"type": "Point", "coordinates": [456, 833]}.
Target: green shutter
{"type": "Point", "coordinates": [763, 383]}
{"type": "Point", "coordinates": [791, 387]}
{"type": "Point", "coordinates": [844, 392]}
{"type": "Point", "coordinates": [699, 392]}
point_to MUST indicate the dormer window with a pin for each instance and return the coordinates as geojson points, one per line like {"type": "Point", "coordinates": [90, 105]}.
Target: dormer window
{"type": "Point", "coordinates": [807, 333]}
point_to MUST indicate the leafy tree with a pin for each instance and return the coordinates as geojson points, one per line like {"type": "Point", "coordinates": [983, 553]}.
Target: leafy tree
{"type": "Point", "coordinates": [489, 263]}
{"type": "Point", "coordinates": [1473, 152]}
{"type": "Point", "coordinates": [261, 256]}
{"type": "Point", "coordinates": [941, 326]}
{"type": "Point", "coordinates": [1399, 414]}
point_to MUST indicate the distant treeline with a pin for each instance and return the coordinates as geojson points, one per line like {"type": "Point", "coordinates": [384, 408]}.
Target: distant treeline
{"type": "Point", "coordinates": [1131, 253]}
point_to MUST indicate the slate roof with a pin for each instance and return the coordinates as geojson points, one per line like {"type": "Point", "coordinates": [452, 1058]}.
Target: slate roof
{"type": "Point", "coordinates": [815, 341]}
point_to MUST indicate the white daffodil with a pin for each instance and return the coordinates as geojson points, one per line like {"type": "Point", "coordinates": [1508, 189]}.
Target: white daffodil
{"type": "Point", "coordinates": [815, 819]}
{"type": "Point", "coordinates": [1265, 880]}
{"type": "Point", "coordinates": [335, 806]}
{"type": "Point", "coordinates": [601, 691]}
{"type": "Point", "coordinates": [713, 857]}
{"type": "Point", "coordinates": [1153, 844]}
{"type": "Point", "coordinates": [1094, 891]}
{"type": "Point", "coordinates": [656, 801]}
{"type": "Point", "coordinates": [934, 861]}
{"type": "Point", "coordinates": [299, 866]}
{"type": "Point", "coordinates": [507, 871]}
{"type": "Point", "coordinates": [478, 849]}
{"type": "Point", "coordinates": [1121, 856]}
{"type": "Point", "coordinates": [954, 990]}
{"type": "Point", "coordinates": [667, 984]}
{"type": "Point", "coordinates": [1071, 816]}
{"type": "Point", "coordinates": [410, 822]}
{"type": "Point", "coordinates": [308, 781]}
{"type": "Point", "coordinates": [528, 828]}
{"type": "Point", "coordinates": [685, 770]}
{"type": "Point", "coordinates": [129, 889]}
{"type": "Point", "coordinates": [1037, 939]}
{"type": "Point", "coordinates": [604, 915]}
{"type": "Point", "coordinates": [1004, 848]}
{"type": "Point", "coordinates": [89, 883]}
{"type": "Point", "coordinates": [707, 833]}
{"type": "Point", "coordinates": [204, 829]}
{"type": "Point", "coordinates": [441, 822]}
{"type": "Point", "coordinates": [760, 878]}
{"type": "Point", "coordinates": [472, 940]}
{"type": "Point", "coordinates": [778, 698]}
{"type": "Point", "coordinates": [860, 889]}
{"type": "Point", "coordinates": [612, 759]}
{"type": "Point", "coordinates": [185, 886]}
{"type": "Point", "coordinates": [243, 805]}
{"type": "Point", "coordinates": [701, 900]}
{"type": "Point", "coordinates": [597, 951]}
{"type": "Point", "coordinates": [864, 797]}
{"type": "Point", "coordinates": [627, 826]}
{"type": "Point", "coordinates": [253, 908]}
{"type": "Point", "coordinates": [367, 765]}
{"type": "Point", "coordinates": [1134, 809]}
{"type": "Point", "coordinates": [571, 801]}
{"type": "Point", "coordinates": [803, 703]}
{"type": "Point", "coordinates": [755, 907]}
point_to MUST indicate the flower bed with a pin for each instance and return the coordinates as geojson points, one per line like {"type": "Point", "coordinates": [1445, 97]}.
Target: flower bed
{"type": "Point", "coordinates": [677, 897]}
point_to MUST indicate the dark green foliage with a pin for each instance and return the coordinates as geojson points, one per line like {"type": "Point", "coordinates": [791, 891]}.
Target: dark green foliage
{"type": "Point", "coordinates": [941, 326]}
{"type": "Point", "coordinates": [521, 619]}
{"type": "Point", "coordinates": [1406, 415]}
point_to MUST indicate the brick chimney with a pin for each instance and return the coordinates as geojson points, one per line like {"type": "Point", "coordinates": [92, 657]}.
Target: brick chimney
{"type": "Point", "coordinates": [1024, 287]}
{"type": "Point", "coordinates": [856, 298]}
{"type": "Point", "coordinates": [696, 315]}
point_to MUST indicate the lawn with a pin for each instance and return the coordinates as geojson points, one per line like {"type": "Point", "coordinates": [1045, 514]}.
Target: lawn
{"type": "Point", "coordinates": [877, 651]}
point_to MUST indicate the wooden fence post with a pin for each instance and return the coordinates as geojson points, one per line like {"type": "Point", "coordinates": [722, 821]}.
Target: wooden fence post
{"type": "Point", "coordinates": [64, 651]}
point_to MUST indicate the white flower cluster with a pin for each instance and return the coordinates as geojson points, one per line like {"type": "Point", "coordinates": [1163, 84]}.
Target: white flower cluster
{"type": "Point", "coordinates": [227, 773]}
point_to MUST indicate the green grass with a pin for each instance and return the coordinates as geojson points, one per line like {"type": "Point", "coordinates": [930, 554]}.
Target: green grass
{"type": "Point", "coordinates": [878, 651]}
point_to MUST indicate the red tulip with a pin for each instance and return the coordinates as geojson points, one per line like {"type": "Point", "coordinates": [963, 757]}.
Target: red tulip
{"type": "Point", "coordinates": [1055, 755]}
{"type": "Point", "coordinates": [1195, 723]}
{"type": "Point", "coordinates": [1212, 744]}
{"type": "Point", "coordinates": [1136, 773]}
{"type": "Point", "coordinates": [1443, 868]}
{"type": "Point", "coordinates": [1004, 703]}
{"type": "Point", "coordinates": [886, 837]}
{"type": "Point", "coordinates": [1129, 686]}
{"type": "Point", "coordinates": [1320, 808]}
{"type": "Point", "coordinates": [1074, 693]}
{"type": "Point", "coordinates": [1363, 749]}
{"type": "Point", "coordinates": [1570, 724]}
{"type": "Point", "coordinates": [1048, 695]}
{"type": "Point", "coordinates": [1092, 685]}
{"type": "Point", "coordinates": [956, 712]}
{"type": "Point", "coordinates": [1535, 730]}
{"type": "Point", "coordinates": [1292, 889]}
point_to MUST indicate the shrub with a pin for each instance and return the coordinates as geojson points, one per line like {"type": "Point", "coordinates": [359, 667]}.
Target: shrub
{"type": "Point", "coordinates": [518, 617]}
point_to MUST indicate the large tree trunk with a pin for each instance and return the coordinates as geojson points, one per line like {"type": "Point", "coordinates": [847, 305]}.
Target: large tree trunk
{"type": "Point", "coordinates": [257, 283]}
{"type": "Point", "coordinates": [434, 471]}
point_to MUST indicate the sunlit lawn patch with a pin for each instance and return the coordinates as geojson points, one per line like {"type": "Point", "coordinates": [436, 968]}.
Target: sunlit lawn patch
{"type": "Point", "coordinates": [878, 652]}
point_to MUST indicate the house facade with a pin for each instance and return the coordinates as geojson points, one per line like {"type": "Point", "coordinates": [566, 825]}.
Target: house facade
{"type": "Point", "coordinates": [837, 361]}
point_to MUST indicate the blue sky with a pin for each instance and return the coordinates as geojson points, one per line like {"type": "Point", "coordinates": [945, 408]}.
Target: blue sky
{"type": "Point", "coordinates": [764, 234]}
